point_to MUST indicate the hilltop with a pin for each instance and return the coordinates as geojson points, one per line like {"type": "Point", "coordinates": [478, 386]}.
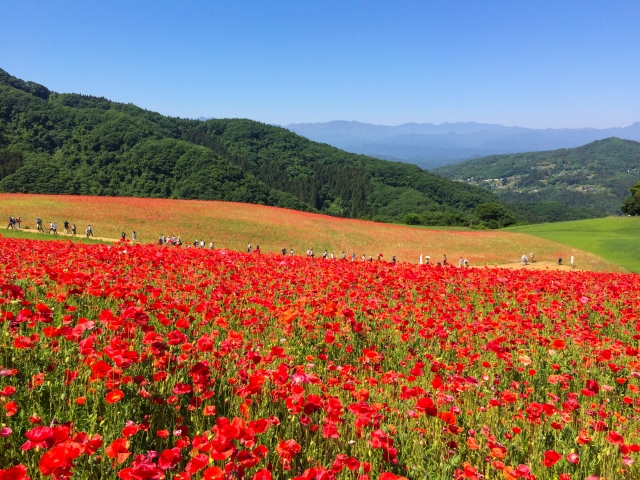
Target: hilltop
{"type": "Point", "coordinates": [594, 178]}
{"type": "Point", "coordinates": [54, 143]}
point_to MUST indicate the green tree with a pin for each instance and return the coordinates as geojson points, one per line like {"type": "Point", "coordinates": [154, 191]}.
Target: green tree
{"type": "Point", "coordinates": [631, 204]}
{"type": "Point", "coordinates": [494, 215]}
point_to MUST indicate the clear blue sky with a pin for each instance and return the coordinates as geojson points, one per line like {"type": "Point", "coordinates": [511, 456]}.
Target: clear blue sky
{"type": "Point", "coordinates": [528, 63]}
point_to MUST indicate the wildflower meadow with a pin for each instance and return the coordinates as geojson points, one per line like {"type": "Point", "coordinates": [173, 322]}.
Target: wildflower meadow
{"type": "Point", "coordinates": [143, 362]}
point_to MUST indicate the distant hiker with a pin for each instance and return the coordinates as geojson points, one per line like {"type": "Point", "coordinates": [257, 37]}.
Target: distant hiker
{"type": "Point", "coordinates": [324, 255]}
{"type": "Point", "coordinates": [420, 259]}
{"type": "Point", "coordinates": [291, 252]}
{"type": "Point", "coordinates": [466, 262]}
{"type": "Point", "coordinates": [19, 222]}
{"type": "Point", "coordinates": [308, 252]}
{"type": "Point", "coordinates": [393, 259]}
{"type": "Point", "coordinates": [378, 257]}
{"type": "Point", "coordinates": [460, 262]}
{"type": "Point", "coordinates": [284, 250]}
{"type": "Point", "coordinates": [353, 257]}
{"type": "Point", "coordinates": [332, 256]}
{"type": "Point", "coordinates": [427, 259]}
{"type": "Point", "coordinates": [531, 257]}
{"type": "Point", "coordinates": [560, 261]}
{"type": "Point", "coordinates": [201, 243]}
{"type": "Point", "coordinates": [196, 243]}
{"type": "Point", "coordinates": [248, 248]}
{"type": "Point", "coordinates": [178, 242]}
{"type": "Point", "coordinates": [66, 227]}
{"type": "Point", "coordinates": [370, 259]}
{"type": "Point", "coordinates": [123, 236]}
{"type": "Point", "coordinates": [311, 253]}
{"type": "Point", "coordinates": [39, 225]}
{"type": "Point", "coordinates": [134, 236]}
{"type": "Point", "coordinates": [258, 249]}
{"type": "Point", "coordinates": [73, 229]}
{"type": "Point", "coordinates": [344, 256]}
{"type": "Point", "coordinates": [55, 228]}
{"type": "Point", "coordinates": [11, 223]}
{"type": "Point", "coordinates": [210, 245]}
{"type": "Point", "coordinates": [89, 231]}
{"type": "Point", "coordinates": [524, 260]}
{"type": "Point", "coordinates": [364, 259]}
{"type": "Point", "coordinates": [444, 260]}
{"type": "Point", "coordinates": [50, 227]}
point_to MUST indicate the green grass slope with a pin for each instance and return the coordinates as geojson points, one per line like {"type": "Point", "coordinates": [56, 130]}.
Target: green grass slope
{"type": "Point", "coordinates": [616, 239]}
{"type": "Point", "coordinates": [593, 179]}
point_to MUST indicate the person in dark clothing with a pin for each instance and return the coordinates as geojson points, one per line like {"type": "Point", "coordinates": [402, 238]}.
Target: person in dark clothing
{"type": "Point", "coordinates": [73, 229]}
{"type": "Point", "coordinates": [66, 227]}
{"type": "Point", "coordinates": [11, 223]}
{"type": "Point", "coordinates": [39, 225]}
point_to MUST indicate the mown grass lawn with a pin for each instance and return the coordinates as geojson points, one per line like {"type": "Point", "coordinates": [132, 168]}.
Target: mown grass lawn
{"type": "Point", "coordinates": [616, 239]}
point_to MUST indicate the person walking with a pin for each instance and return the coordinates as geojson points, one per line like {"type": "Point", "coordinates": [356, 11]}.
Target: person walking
{"type": "Point", "coordinates": [291, 252]}
{"type": "Point", "coordinates": [324, 255]}
{"type": "Point", "coordinates": [201, 243]}
{"type": "Point", "coordinates": [420, 259]}
{"type": "Point", "coordinates": [39, 225]}
{"type": "Point", "coordinates": [344, 256]}
{"type": "Point", "coordinates": [89, 231]}
{"type": "Point", "coordinates": [66, 227]}
{"type": "Point", "coordinates": [248, 248]}
{"type": "Point", "coordinates": [531, 257]}
{"type": "Point", "coordinates": [123, 236]}
{"type": "Point", "coordinates": [311, 254]}
{"type": "Point", "coordinates": [134, 236]}
{"type": "Point", "coordinates": [19, 222]}
{"type": "Point", "coordinates": [11, 224]}
{"type": "Point", "coordinates": [258, 249]}
{"type": "Point", "coordinates": [427, 259]}
{"type": "Point", "coordinates": [50, 227]}
{"type": "Point", "coordinates": [353, 257]}
{"type": "Point", "coordinates": [393, 259]}
{"type": "Point", "coordinates": [460, 262]}
{"type": "Point", "coordinates": [73, 230]}
{"type": "Point", "coordinates": [55, 228]}
{"type": "Point", "coordinates": [210, 245]}
{"type": "Point", "coordinates": [523, 260]}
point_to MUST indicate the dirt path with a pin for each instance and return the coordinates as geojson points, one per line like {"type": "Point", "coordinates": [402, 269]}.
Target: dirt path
{"type": "Point", "coordinates": [538, 265]}
{"type": "Point", "coordinates": [62, 234]}
{"type": "Point", "coordinates": [543, 265]}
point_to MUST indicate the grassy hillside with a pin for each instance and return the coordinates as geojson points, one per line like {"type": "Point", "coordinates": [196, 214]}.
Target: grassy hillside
{"type": "Point", "coordinates": [616, 239]}
{"type": "Point", "coordinates": [593, 179]}
{"type": "Point", "coordinates": [76, 144]}
{"type": "Point", "coordinates": [233, 225]}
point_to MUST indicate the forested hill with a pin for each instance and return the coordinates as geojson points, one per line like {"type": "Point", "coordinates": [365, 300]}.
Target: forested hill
{"type": "Point", "coordinates": [78, 144]}
{"type": "Point", "coordinates": [596, 176]}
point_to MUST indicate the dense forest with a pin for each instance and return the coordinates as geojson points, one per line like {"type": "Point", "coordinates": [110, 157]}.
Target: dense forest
{"type": "Point", "coordinates": [589, 181]}
{"type": "Point", "coordinates": [79, 144]}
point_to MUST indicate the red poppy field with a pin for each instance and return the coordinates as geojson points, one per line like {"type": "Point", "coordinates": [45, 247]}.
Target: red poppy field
{"type": "Point", "coordinates": [149, 363]}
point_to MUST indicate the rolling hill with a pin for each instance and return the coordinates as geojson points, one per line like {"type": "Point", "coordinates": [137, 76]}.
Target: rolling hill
{"type": "Point", "coordinates": [232, 225]}
{"type": "Point", "coordinates": [594, 178]}
{"type": "Point", "coordinates": [84, 145]}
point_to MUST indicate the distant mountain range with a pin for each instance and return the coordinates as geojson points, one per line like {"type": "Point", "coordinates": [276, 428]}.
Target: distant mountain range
{"type": "Point", "coordinates": [430, 146]}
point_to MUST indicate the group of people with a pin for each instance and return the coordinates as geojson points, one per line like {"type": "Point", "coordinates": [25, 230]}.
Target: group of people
{"type": "Point", "coordinates": [530, 259]}
{"type": "Point", "coordinates": [14, 222]}
{"type": "Point", "coordinates": [69, 229]}
{"type": "Point", "coordinates": [172, 240]}
{"type": "Point", "coordinates": [331, 256]}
